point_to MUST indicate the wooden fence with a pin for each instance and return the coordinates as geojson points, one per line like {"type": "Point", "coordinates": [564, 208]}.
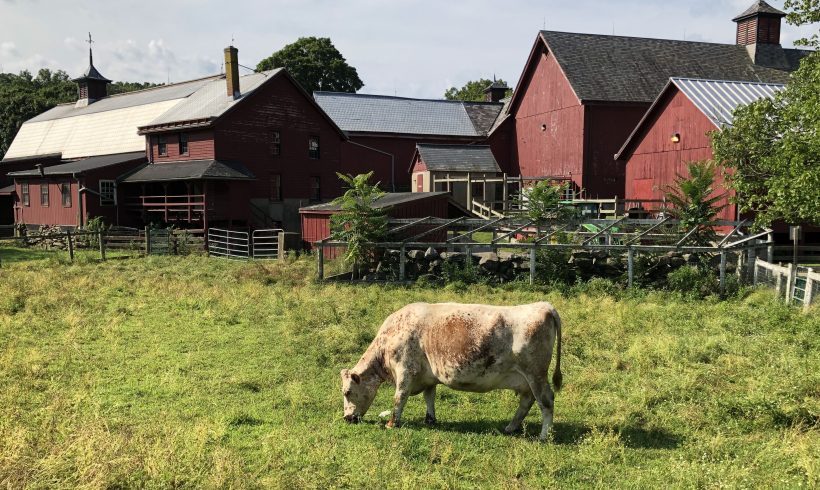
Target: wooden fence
{"type": "Point", "coordinates": [793, 284]}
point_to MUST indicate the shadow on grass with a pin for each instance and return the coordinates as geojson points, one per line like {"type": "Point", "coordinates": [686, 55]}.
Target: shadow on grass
{"type": "Point", "coordinates": [14, 254]}
{"type": "Point", "coordinates": [567, 433]}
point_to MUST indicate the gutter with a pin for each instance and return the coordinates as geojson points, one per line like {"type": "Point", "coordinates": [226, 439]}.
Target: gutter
{"type": "Point", "coordinates": [392, 162]}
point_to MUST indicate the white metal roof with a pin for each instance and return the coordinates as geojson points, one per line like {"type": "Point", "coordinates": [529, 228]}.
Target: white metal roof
{"type": "Point", "coordinates": [718, 99]}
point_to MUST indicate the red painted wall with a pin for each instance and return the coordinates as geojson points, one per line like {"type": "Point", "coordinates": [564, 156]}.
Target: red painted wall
{"type": "Point", "coordinates": [54, 213]}
{"type": "Point", "coordinates": [200, 146]}
{"type": "Point", "coordinates": [656, 160]}
{"type": "Point", "coordinates": [607, 126]}
{"type": "Point", "coordinates": [549, 124]}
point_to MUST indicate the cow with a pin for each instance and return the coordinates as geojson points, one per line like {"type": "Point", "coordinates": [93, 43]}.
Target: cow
{"type": "Point", "coordinates": [474, 348]}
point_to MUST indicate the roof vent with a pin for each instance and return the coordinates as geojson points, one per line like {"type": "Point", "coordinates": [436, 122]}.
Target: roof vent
{"type": "Point", "coordinates": [91, 85]}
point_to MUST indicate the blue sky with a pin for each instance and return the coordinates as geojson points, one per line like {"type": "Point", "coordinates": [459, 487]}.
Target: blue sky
{"type": "Point", "coordinates": [415, 48]}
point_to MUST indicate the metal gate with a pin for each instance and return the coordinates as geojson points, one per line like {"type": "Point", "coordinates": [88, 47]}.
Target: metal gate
{"type": "Point", "coordinates": [265, 244]}
{"type": "Point", "coordinates": [159, 242]}
{"type": "Point", "coordinates": [227, 243]}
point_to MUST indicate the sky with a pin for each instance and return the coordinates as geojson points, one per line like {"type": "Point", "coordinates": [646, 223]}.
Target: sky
{"type": "Point", "coordinates": [412, 48]}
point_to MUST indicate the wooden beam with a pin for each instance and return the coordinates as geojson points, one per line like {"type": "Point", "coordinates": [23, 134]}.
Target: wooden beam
{"type": "Point", "coordinates": [735, 230]}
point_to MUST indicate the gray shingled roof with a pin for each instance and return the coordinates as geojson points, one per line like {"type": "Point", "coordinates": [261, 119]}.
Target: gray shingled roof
{"type": "Point", "coordinates": [458, 158]}
{"type": "Point", "coordinates": [211, 100]}
{"type": "Point", "coordinates": [631, 69]}
{"type": "Point", "coordinates": [387, 200]}
{"type": "Point", "coordinates": [7, 190]}
{"type": "Point", "coordinates": [190, 170]}
{"type": "Point", "coordinates": [122, 101]}
{"type": "Point", "coordinates": [399, 115]}
{"type": "Point", "coordinates": [759, 7]}
{"type": "Point", "coordinates": [78, 166]}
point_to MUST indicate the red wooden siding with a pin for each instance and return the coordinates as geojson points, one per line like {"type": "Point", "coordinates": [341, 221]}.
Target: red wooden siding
{"type": "Point", "coordinates": [656, 160]}
{"type": "Point", "coordinates": [606, 129]}
{"type": "Point", "coordinates": [54, 213]}
{"type": "Point", "coordinates": [200, 146]}
{"type": "Point", "coordinates": [549, 124]}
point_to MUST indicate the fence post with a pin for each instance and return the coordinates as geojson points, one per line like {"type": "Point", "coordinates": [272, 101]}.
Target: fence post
{"type": "Point", "coordinates": [402, 261]}
{"type": "Point", "coordinates": [147, 240]}
{"type": "Point", "coordinates": [809, 287]}
{"type": "Point", "coordinates": [755, 277]}
{"type": "Point", "coordinates": [751, 260]}
{"type": "Point", "coordinates": [532, 265]}
{"type": "Point", "coordinates": [723, 271]}
{"type": "Point", "coordinates": [280, 246]}
{"type": "Point", "coordinates": [630, 265]}
{"type": "Point", "coordinates": [320, 260]}
{"type": "Point", "coordinates": [779, 281]}
{"type": "Point", "coordinates": [102, 245]}
{"type": "Point", "coordinates": [770, 248]}
{"type": "Point", "coordinates": [791, 269]}
{"type": "Point", "coordinates": [70, 245]}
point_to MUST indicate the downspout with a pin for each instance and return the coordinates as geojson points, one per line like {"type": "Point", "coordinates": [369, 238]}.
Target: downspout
{"type": "Point", "coordinates": [392, 162]}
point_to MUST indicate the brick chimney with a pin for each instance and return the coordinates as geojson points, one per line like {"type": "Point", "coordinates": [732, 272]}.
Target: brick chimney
{"type": "Point", "coordinates": [758, 29]}
{"type": "Point", "coordinates": [495, 91]}
{"type": "Point", "coordinates": [232, 71]}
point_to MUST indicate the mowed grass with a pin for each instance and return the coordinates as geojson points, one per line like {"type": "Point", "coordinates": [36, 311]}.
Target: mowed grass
{"type": "Point", "coordinates": [197, 372]}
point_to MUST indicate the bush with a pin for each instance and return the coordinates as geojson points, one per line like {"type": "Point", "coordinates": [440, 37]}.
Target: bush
{"type": "Point", "coordinates": [700, 282]}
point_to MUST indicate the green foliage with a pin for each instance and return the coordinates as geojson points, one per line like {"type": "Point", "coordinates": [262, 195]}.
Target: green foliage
{"type": "Point", "coordinates": [359, 222]}
{"type": "Point", "coordinates": [694, 202]}
{"type": "Point", "coordinates": [472, 90]}
{"type": "Point", "coordinates": [24, 96]}
{"type": "Point", "coordinates": [201, 373]}
{"type": "Point", "coordinates": [316, 64]}
{"type": "Point", "coordinates": [804, 12]}
{"type": "Point", "coordinates": [543, 202]}
{"type": "Point", "coordinates": [124, 87]}
{"type": "Point", "coordinates": [773, 150]}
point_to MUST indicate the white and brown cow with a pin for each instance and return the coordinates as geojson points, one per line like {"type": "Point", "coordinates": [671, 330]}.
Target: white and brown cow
{"type": "Point", "coordinates": [474, 348]}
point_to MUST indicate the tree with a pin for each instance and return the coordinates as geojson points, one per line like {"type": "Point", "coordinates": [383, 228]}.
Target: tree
{"type": "Point", "coordinates": [359, 222]}
{"type": "Point", "coordinates": [804, 12]}
{"type": "Point", "coordinates": [472, 90]}
{"type": "Point", "coordinates": [772, 150]}
{"type": "Point", "coordinates": [316, 64]}
{"type": "Point", "coordinates": [543, 202]}
{"type": "Point", "coordinates": [693, 202]}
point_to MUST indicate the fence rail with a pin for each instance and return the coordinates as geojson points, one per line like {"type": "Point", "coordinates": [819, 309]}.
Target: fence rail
{"type": "Point", "coordinates": [797, 285]}
{"type": "Point", "coordinates": [229, 244]}
{"type": "Point", "coordinates": [266, 244]}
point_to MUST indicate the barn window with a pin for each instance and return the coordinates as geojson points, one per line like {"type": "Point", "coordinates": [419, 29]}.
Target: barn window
{"type": "Point", "coordinates": [44, 194]}
{"type": "Point", "coordinates": [162, 145]}
{"type": "Point", "coordinates": [24, 194]}
{"type": "Point", "coordinates": [275, 143]}
{"type": "Point", "coordinates": [183, 143]}
{"type": "Point", "coordinates": [275, 187]}
{"type": "Point", "coordinates": [313, 147]}
{"type": "Point", "coordinates": [65, 193]}
{"type": "Point", "coordinates": [315, 189]}
{"type": "Point", "coordinates": [108, 193]}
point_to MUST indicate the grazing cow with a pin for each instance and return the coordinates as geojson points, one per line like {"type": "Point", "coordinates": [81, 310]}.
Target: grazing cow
{"type": "Point", "coordinates": [474, 348]}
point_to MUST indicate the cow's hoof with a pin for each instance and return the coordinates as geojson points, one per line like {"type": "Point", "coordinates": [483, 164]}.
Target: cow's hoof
{"type": "Point", "coordinates": [510, 430]}
{"type": "Point", "coordinates": [429, 420]}
{"type": "Point", "coordinates": [391, 424]}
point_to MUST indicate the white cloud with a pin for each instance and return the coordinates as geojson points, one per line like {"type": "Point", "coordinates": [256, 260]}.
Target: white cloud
{"type": "Point", "coordinates": [8, 49]}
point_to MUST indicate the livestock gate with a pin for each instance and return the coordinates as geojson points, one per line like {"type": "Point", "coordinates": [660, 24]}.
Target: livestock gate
{"type": "Point", "coordinates": [243, 245]}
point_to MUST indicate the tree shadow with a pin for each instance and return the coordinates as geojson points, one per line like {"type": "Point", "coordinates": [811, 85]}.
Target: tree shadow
{"type": "Point", "coordinates": [565, 433]}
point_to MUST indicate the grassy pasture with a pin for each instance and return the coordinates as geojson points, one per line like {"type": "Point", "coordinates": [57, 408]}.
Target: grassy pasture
{"type": "Point", "coordinates": [197, 372]}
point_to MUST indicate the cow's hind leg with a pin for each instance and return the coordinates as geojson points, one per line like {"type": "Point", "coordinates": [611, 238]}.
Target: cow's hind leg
{"type": "Point", "coordinates": [524, 406]}
{"type": "Point", "coordinates": [545, 398]}
{"type": "Point", "coordinates": [430, 399]}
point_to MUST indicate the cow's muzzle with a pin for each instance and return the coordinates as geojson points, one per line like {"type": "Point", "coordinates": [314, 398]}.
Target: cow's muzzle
{"type": "Point", "coordinates": [353, 418]}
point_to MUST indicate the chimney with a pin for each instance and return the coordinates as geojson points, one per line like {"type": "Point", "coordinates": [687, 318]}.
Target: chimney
{"type": "Point", "coordinates": [232, 71]}
{"type": "Point", "coordinates": [495, 91]}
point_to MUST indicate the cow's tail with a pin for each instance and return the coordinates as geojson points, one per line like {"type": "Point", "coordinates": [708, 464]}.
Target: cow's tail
{"type": "Point", "coordinates": [557, 377]}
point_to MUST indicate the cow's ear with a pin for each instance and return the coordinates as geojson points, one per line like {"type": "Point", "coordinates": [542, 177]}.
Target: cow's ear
{"type": "Point", "coordinates": [356, 378]}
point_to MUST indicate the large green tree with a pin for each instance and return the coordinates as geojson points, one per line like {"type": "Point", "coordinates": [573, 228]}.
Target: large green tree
{"type": "Point", "coordinates": [472, 90]}
{"type": "Point", "coordinates": [804, 12]}
{"type": "Point", "coordinates": [316, 64]}
{"type": "Point", "coordinates": [772, 151]}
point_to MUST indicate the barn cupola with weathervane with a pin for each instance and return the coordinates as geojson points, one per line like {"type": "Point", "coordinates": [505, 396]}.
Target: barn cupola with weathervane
{"type": "Point", "coordinates": [758, 29]}
{"type": "Point", "coordinates": [91, 85]}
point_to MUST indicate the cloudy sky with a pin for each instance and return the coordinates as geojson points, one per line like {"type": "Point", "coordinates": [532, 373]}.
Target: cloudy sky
{"type": "Point", "coordinates": [415, 48]}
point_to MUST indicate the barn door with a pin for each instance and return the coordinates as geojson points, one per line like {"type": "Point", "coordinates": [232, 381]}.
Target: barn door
{"type": "Point", "coordinates": [420, 183]}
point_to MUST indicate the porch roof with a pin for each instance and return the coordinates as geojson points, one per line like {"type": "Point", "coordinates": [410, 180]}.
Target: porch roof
{"type": "Point", "coordinates": [190, 170]}
{"type": "Point", "coordinates": [6, 191]}
{"type": "Point", "coordinates": [85, 165]}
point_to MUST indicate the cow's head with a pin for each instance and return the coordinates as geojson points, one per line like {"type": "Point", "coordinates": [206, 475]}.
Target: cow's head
{"type": "Point", "coordinates": [358, 395]}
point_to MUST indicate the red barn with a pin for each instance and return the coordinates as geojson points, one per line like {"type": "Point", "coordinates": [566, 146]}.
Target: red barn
{"type": "Point", "coordinates": [580, 95]}
{"type": "Point", "coordinates": [676, 130]}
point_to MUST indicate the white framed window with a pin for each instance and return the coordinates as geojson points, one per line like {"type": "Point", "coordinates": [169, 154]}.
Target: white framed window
{"type": "Point", "coordinates": [108, 193]}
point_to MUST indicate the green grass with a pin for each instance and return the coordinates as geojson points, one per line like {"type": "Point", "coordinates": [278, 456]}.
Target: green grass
{"type": "Point", "coordinates": [197, 372]}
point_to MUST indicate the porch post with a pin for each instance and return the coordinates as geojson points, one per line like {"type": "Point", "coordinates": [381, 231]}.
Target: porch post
{"type": "Point", "coordinates": [205, 206]}
{"type": "Point", "coordinates": [165, 191]}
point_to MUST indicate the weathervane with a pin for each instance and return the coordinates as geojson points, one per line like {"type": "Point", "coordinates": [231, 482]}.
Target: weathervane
{"type": "Point", "coordinates": [90, 56]}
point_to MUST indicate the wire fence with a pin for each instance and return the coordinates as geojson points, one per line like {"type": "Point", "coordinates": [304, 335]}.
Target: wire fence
{"type": "Point", "coordinates": [792, 284]}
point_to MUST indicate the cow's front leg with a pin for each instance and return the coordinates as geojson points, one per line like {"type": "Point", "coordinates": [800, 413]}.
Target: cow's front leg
{"type": "Point", "coordinates": [399, 400]}
{"type": "Point", "coordinates": [430, 398]}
